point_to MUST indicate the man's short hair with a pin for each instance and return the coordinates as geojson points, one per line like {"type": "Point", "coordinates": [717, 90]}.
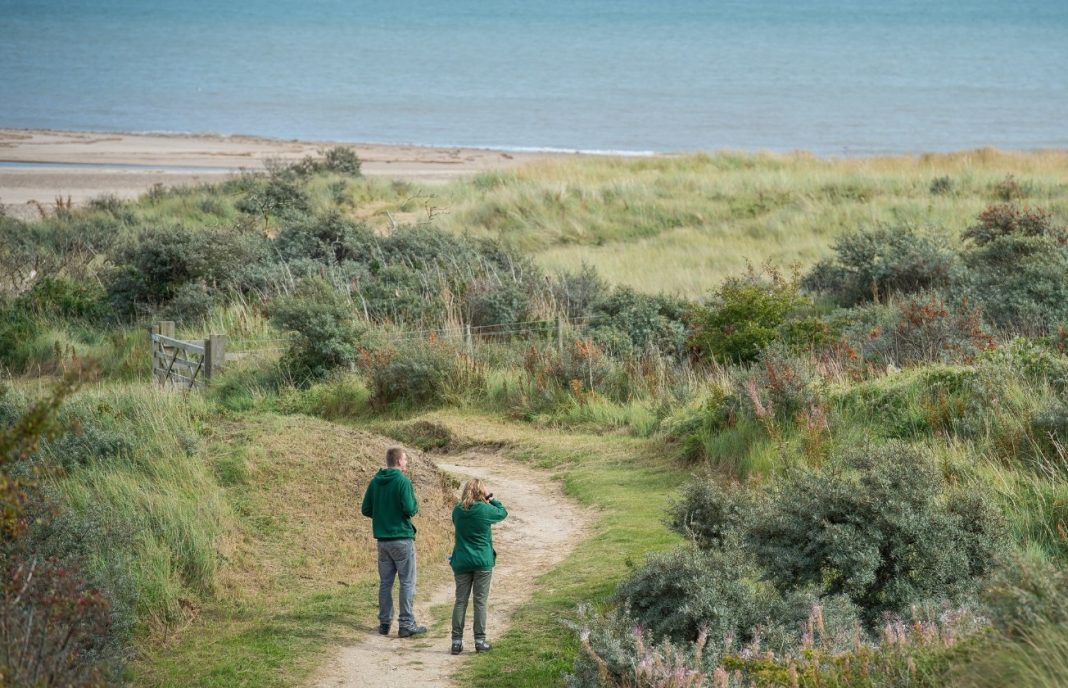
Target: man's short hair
{"type": "Point", "coordinates": [394, 456]}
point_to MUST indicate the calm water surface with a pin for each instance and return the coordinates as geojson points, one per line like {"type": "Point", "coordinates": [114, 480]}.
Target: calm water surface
{"type": "Point", "coordinates": [830, 76]}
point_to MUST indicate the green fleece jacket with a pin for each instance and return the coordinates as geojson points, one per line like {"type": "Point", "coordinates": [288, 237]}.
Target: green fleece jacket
{"type": "Point", "coordinates": [474, 536]}
{"type": "Point", "coordinates": [390, 504]}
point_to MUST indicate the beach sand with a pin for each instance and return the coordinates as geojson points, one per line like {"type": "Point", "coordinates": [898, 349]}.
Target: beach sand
{"type": "Point", "coordinates": [82, 165]}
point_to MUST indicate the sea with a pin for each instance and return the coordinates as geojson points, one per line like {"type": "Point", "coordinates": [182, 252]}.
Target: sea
{"type": "Point", "coordinates": [834, 77]}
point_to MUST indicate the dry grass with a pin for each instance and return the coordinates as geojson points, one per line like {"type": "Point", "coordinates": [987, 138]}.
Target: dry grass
{"type": "Point", "coordinates": [298, 500]}
{"type": "Point", "coordinates": [299, 571]}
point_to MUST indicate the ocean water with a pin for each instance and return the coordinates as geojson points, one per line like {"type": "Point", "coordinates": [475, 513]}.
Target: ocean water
{"type": "Point", "coordinates": [835, 77]}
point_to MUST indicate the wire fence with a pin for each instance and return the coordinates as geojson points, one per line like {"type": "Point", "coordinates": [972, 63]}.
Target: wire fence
{"type": "Point", "coordinates": [470, 334]}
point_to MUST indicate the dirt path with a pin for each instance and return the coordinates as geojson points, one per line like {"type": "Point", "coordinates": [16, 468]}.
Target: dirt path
{"type": "Point", "coordinates": [542, 528]}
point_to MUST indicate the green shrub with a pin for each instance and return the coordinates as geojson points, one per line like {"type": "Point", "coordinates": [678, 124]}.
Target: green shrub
{"type": "Point", "coordinates": [875, 264]}
{"type": "Point", "coordinates": [627, 322]}
{"type": "Point", "coordinates": [577, 293]}
{"type": "Point", "coordinates": [677, 594]}
{"type": "Point", "coordinates": [17, 328]}
{"type": "Point", "coordinates": [274, 197]}
{"type": "Point", "coordinates": [743, 316]}
{"type": "Point", "coordinates": [710, 514]}
{"type": "Point", "coordinates": [328, 239]}
{"type": "Point", "coordinates": [190, 305]}
{"type": "Point", "coordinates": [419, 375]}
{"type": "Point", "coordinates": [326, 331]}
{"type": "Point", "coordinates": [339, 160]}
{"type": "Point", "coordinates": [60, 297]}
{"type": "Point", "coordinates": [886, 532]}
{"type": "Point", "coordinates": [497, 307]}
{"type": "Point", "coordinates": [152, 269]}
{"type": "Point", "coordinates": [1016, 261]}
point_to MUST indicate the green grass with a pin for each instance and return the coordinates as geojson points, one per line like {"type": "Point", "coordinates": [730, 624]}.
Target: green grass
{"type": "Point", "coordinates": [258, 644]}
{"type": "Point", "coordinates": [628, 482]}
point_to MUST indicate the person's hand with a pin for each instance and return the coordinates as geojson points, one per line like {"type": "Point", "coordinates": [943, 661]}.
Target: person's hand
{"type": "Point", "coordinates": [486, 494]}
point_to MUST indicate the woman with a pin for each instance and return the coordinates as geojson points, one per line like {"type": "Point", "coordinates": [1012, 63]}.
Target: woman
{"type": "Point", "coordinates": [473, 558]}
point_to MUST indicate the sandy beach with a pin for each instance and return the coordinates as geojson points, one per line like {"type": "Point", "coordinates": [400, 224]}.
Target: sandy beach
{"type": "Point", "coordinates": [37, 166]}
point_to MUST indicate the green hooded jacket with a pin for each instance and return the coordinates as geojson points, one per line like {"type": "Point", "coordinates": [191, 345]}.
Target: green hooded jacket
{"type": "Point", "coordinates": [390, 504]}
{"type": "Point", "coordinates": [474, 536]}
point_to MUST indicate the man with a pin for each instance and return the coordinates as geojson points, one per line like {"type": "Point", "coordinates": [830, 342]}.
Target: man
{"type": "Point", "coordinates": [390, 504]}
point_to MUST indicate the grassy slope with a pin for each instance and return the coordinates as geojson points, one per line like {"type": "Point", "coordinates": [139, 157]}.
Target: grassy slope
{"type": "Point", "coordinates": [298, 576]}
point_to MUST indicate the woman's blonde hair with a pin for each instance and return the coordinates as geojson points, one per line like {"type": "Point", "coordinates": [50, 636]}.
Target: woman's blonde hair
{"type": "Point", "coordinates": [474, 491]}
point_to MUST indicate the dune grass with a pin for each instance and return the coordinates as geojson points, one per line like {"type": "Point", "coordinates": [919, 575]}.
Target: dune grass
{"type": "Point", "coordinates": [675, 224]}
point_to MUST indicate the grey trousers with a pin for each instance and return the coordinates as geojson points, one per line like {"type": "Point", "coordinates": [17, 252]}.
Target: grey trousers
{"type": "Point", "coordinates": [396, 558]}
{"type": "Point", "coordinates": [480, 582]}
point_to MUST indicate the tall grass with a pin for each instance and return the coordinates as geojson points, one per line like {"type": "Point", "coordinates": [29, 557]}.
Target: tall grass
{"type": "Point", "coordinates": [137, 499]}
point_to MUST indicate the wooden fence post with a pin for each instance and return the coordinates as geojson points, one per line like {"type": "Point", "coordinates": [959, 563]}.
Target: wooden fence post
{"type": "Point", "coordinates": [166, 328]}
{"type": "Point", "coordinates": [155, 353]}
{"type": "Point", "coordinates": [469, 340]}
{"type": "Point", "coordinates": [560, 335]}
{"type": "Point", "coordinates": [214, 355]}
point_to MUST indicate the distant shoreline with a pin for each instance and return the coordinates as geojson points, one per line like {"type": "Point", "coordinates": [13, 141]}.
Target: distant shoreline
{"type": "Point", "coordinates": [39, 165]}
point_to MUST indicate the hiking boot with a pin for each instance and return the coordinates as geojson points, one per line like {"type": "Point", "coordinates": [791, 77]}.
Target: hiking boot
{"type": "Point", "coordinates": [457, 647]}
{"type": "Point", "coordinates": [383, 629]}
{"type": "Point", "coordinates": [482, 646]}
{"type": "Point", "coordinates": [409, 632]}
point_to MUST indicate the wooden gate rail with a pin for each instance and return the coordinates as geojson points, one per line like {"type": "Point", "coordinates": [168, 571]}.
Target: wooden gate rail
{"type": "Point", "coordinates": [182, 363]}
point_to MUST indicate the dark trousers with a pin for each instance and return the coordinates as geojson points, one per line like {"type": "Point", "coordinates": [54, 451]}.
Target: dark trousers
{"type": "Point", "coordinates": [396, 559]}
{"type": "Point", "coordinates": [479, 582]}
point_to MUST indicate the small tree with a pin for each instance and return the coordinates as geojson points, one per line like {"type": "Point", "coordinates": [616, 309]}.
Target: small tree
{"type": "Point", "coordinates": [327, 333]}
{"type": "Point", "coordinates": [744, 315]}
{"type": "Point", "coordinates": [276, 197]}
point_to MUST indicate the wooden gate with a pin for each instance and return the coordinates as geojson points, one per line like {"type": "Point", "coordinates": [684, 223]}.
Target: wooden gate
{"type": "Point", "coordinates": [187, 364]}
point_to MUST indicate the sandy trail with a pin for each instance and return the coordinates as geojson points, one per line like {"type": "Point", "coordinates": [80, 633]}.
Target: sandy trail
{"type": "Point", "coordinates": [542, 528]}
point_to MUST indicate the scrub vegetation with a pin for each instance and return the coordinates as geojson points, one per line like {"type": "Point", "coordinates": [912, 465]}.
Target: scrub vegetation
{"type": "Point", "coordinates": [820, 406]}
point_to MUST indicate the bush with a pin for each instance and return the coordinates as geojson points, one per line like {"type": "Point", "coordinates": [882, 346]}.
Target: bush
{"type": "Point", "coordinates": [675, 595]}
{"type": "Point", "coordinates": [329, 239]}
{"type": "Point", "coordinates": [497, 307]}
{"type": "Point", "coordinates": [878, 263]}
{"type": "Point", "coordinates": [780, 387]}
{"type": "Point", "coordinates": [577, 293]}
{"type": "Point", "coordinates": [628, 323]}
{"type": "Point", "coordinates": [883, 532]}
{"type": "Point", "coordinates": [151, 270]}
{"type": "Point", "coordinates": [927, 330]}
{"type": "Point", "coordinates": [59, 297]}
{"type": "Point", "coordinates": [339, 160]}
{"type": "Point", "coordinates": [1016, 261]}
{"type": "Point", "coordinates": [580, 370]}
{"type": "Point", "coordinates": [743, 316]}
{"type": "Point", "coordinates": [327, 334]}
{"type": "Point", "coordinates": [52, 625]}
{"type": "Point", "coordinates": [190, 305]}
{"type": "Point", "coordinates": [709, 514]}
{"type": "Point", "coordinates": [881, 528]}
{"type": "Point", "coordinates": [274, 197]}
{"type": "Point", "coordinates": [418, 375]}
